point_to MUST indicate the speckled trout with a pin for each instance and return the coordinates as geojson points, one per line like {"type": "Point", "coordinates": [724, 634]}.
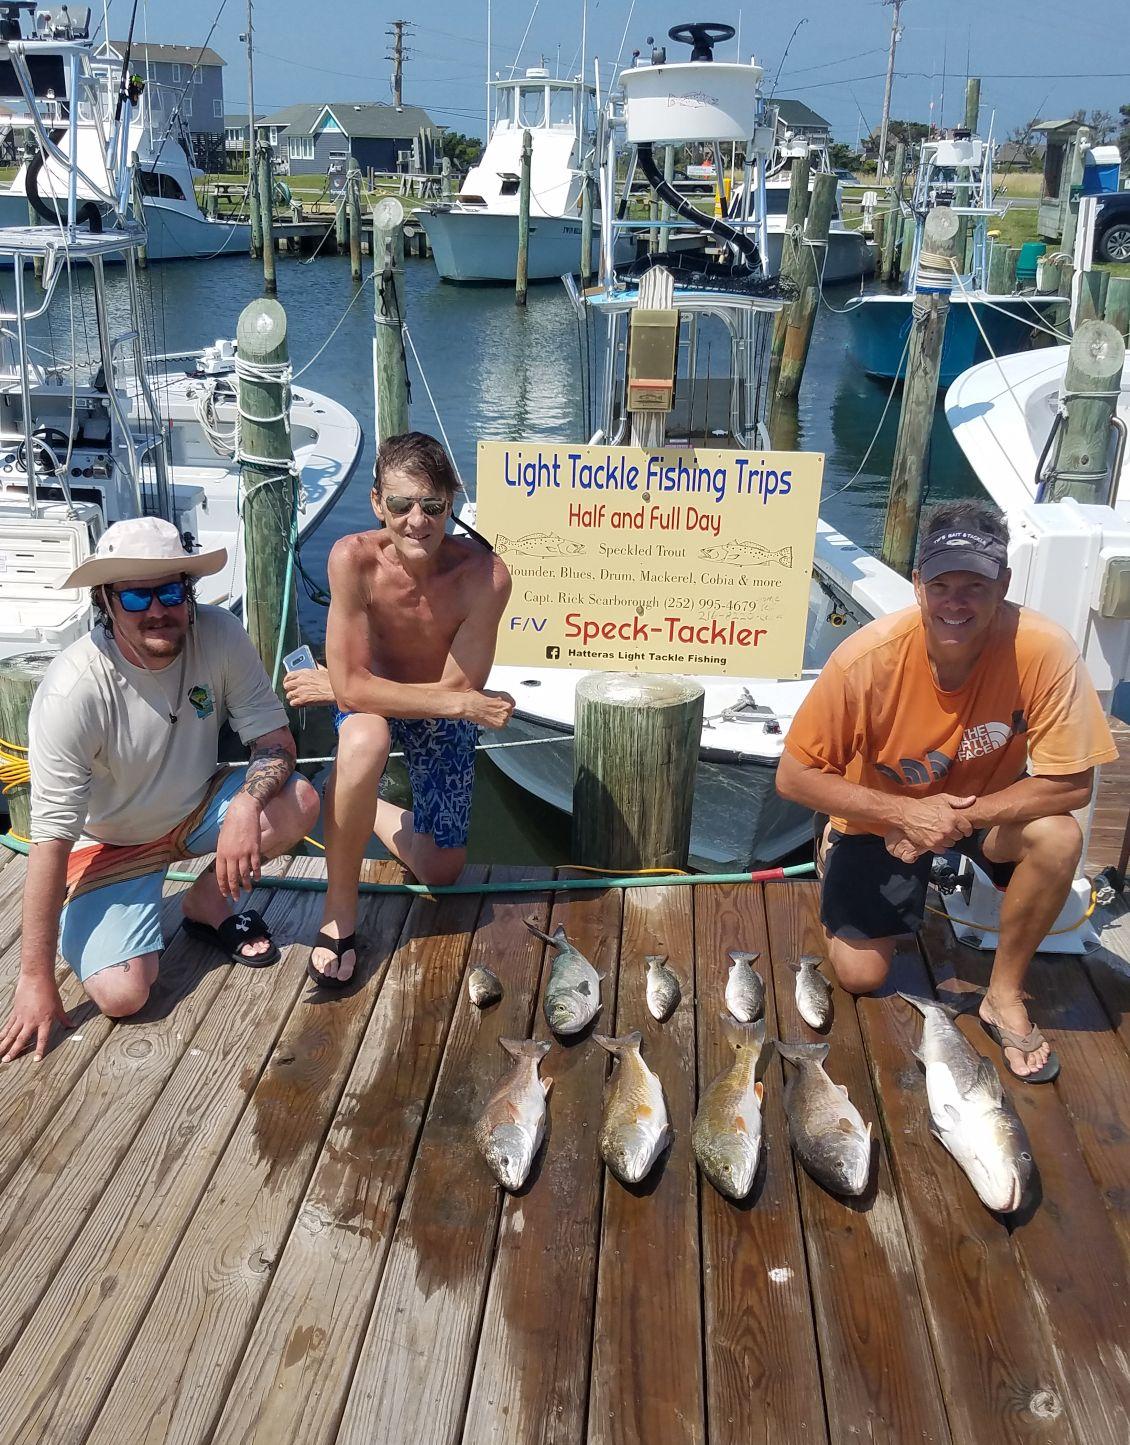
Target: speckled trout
{"type": "Point", "coordinates": [510, 1129]}
{"type": "Point", "coordinates": [726, 1133]}
{"type": "Point", "coordinates": [572, 995]}
{"type": "Point", "coordinates": [634, 1130]}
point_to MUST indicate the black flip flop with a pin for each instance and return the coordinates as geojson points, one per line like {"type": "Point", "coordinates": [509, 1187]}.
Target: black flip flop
{"type": "Point", "coordinates": [1025, 1044]}
{"type": "Point", "coordinates": [337, 946]}
{"type": "Point", "coordinates": [234, 934]}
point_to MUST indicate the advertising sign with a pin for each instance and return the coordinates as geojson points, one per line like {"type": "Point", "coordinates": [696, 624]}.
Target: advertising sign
{"type": "Point", "coordinates": [671, 561]}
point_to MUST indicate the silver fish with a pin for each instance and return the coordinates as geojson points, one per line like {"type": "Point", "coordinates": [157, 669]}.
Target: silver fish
{"type": "Point", "coordinates": [813, 992]}
{"type": "Point", "coordinates": [726, 1133]}
{"type": "Point", "coordinates": [663, 988]}
{"type": "Point", "coordinates": [970, 1113]}
{"type": "Point", "coordinates": [825, 1129]}
{"type": "Point", "coordinates": [634, 1130]}
{"type": "Point", "coordinates": [510, 1129]}
{"type": "Point", "coordinates": [483, 987]}
{"type": "Point", "coordinates": [745, 988]}
{"type": "Point", "coordinates": [572, 994]}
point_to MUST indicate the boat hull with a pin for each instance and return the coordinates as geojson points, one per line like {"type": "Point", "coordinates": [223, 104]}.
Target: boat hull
{"type": "Point", "coordinates": [173, 235]}
{"type": "Point", "coordinates": [482, 247]}
{"type": "Point", "coordinates": [850, 256]}
{"type": "Point", "coordinates": [881, 325]}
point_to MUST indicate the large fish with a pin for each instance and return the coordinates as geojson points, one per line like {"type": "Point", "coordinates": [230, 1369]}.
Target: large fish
{"type": "Point", "coordinates": [825, 1129]}
{"type": "Point", "coordinates": [813, 992]}
{"type": "Point", "coordinates": [510, 1129]}
{"type": "Point", "coordinates": [726, 1133]}
{"type": "Point", "coordinates": [970, 1113]}
{"type": "Point", "coordinates": [634, 1130]}
{"type": "Point", "coordinates": [572, 994]}
{"type": "Point", "coordinates": [745, 988]}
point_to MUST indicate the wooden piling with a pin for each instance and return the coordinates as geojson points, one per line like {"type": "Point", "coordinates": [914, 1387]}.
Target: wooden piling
{"type": "Point", "coordinates": [390, 386]}
{"type": "Point", "coordinates": [353, 202]}
{"type": "Point", "coordinates": [1001, 270]}
{"type": "Point", "coordinates": [253, 193]}
{"type": "Point", "coordinates": [920, 390]}
{"type": "Point", "coordinates": [341, 222]}
{"type": "Point", "coordinates": [20, 675]}
{"type": "Point", "coordinates": [906, 244]}
{"type": "Point", "coordinates": [1080, 465]}
{"type": "Point", "coordinates": [586, 222]}
{"type": "Point", "coordinates": [266, 213]}
{"type": "Point", "coordinates": [137, 209]}
{"type": "Point", "coordinates": [445, 178]}
{"type": "Point", "coordinates": [802, 312]}
{"type": "Point", "coordinates": [972, 104]}
{"type": "Point", "coordinates": [665, 212]}
{"type": "Point", "coordinates": [1092, 296]}
{"type": "Point", "coordinates": [892, 220]}
{"type": "Point", "coordinates": [629, 730]}
{"type": "Point", "coordinates": [521, 271]}
{"type": "Point", "coordinates": [1117, 308]}
{"type": "Point", "coordinates": [788, 275]}
{"type": "Point", "coordinates": [269, 486]}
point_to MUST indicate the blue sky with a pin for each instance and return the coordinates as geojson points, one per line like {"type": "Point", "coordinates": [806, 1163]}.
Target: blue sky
{"type": "Point", "coordinates": [1031, 58]}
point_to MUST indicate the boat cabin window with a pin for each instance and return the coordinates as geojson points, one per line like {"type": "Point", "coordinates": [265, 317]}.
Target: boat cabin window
{"type": "Point", "coordinates": [531, 106]}
{"type": "Point", "coordinates": [561, 109]}
{"type": "Point", "coordinates": [776, 200]}
{"type": "Point", "coordinates": [157, 183]}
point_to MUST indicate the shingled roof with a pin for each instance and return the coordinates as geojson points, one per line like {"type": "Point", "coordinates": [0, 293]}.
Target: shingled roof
{"type": "Point", "coordinates": [168, 54]}
{"type": "Point", "coordinates": [361, 120]}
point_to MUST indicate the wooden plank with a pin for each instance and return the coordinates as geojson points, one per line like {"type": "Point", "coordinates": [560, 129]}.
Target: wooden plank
{"type": "Point", "coordinates": [412, 1376]}
{"type": "Point", "coordinates": [1109, 975]}
{"type": "Point", "coordinates": [880, 1381]}
{"type": "Point", "coordinates": [996, 1366]}
{"type": "Point", "coordinates": [647, 1342]}
{"type": "Point", "coordinates": [531, 1380]}
{"type": "Point", "coordinates": [64, 1362]}
{"type": "Point", "coordinates": [761, 1359]}
{"type": "Point", "coordinates": [296, 1371]}
{"type": "Point", "coordinates": [1065, 1244]}
{"type": "Point", "coordinates": [206, 1307]}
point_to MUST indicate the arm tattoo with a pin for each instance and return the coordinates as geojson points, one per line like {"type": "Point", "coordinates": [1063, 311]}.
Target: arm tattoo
{"type": "Point", "coordinates": [267, 772]}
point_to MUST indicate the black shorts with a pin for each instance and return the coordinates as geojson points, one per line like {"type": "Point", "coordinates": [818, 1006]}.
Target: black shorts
{"type": "Point", "coordinates": [867, 893]}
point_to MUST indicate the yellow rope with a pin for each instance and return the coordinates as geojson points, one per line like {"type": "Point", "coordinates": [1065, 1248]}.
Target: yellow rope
{"type": "Point", "coordinates": [14, 770]}
{"type": "Point", "coordinates": [995, 927]}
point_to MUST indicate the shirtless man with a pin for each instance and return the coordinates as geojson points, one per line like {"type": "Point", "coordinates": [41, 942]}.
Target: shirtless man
{"type": "Point", "coordinates": [409, 644]}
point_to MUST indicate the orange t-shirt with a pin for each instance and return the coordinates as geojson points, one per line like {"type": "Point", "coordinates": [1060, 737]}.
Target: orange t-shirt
{"type": "Point", "coordinates": [876, 716]}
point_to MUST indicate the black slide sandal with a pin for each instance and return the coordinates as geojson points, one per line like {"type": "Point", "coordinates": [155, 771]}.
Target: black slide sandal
{"type": "Point", "coordinates": [233, 934]}
{"type": "Point", "coordinates": [337, 946]}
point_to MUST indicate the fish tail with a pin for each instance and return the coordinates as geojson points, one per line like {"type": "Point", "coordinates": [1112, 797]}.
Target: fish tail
{"type": "Point", "coordinates": [743, 1036]}
{"type": "Point", "coordinates": [623, 1045]}
{"type": "Point", "coordinates": [802, 1053]}
{"type": "Point", "coordinates": [557, 937]}
{"type": "Point", "coordinates": [749, 958]}
{"type": "Point", "coordinates": [526, 1048]}
{"type": "Point", "coordinates": [502, 544]}
{"type": "Point", "coordinates": [923, 1005]}
{"type": "Point", "coordinates": [784, 557]}
{"type": "Point", "coordinates": [656, 958]}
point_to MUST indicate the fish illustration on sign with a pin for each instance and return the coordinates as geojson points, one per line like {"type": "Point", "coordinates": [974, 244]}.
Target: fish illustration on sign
{"type": "Point", "coordinates": [538, 544]}
{"type": "Point", "coordinates": [747, 554]}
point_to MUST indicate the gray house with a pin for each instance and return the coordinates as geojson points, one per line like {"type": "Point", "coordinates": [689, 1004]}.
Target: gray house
{"type": "Point", "coordinates": [235, 138]}
{"type": "Point", "coordinates": [182, 78]}
{"type": "Point", "coordinates": [795, 116]}
{"type": "Point", "coordinates": [371, 133]}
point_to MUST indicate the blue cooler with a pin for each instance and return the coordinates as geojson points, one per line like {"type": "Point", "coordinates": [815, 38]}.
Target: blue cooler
{"type": "Point", "coordinates": [1100, 171]}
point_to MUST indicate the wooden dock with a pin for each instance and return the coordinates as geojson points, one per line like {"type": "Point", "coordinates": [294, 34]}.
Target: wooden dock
{"type": "Point", "coordinates": [255, 1213]}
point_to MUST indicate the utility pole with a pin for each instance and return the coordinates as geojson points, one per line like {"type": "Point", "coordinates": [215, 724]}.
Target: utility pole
{"type": "Point", "coordinates": [895, 33]}
{"type": "Point", "coordinates": [252, 179]}
{"type": "Point", "coordinates": [396, 32]}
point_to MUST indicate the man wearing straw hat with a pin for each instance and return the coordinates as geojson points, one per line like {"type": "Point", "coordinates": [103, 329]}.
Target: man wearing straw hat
{"type": "Point", "coordinates": [124, 731]}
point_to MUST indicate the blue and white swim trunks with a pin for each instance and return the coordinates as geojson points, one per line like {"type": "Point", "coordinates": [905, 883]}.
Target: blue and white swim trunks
{"type": "Point", "coordinates": [440, 756]}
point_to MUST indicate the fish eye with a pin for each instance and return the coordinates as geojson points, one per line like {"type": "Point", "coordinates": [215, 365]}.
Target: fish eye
{"type": "Point", "coordinates": [1027, 1158]}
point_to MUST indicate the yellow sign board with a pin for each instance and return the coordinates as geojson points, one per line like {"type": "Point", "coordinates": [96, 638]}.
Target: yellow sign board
{"type": "Point", "coordinates": [672, 561]}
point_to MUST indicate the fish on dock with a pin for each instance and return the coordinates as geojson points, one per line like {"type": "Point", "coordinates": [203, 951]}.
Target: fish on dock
{"type": "Point", "coordinates": [572, 994]}
{"type": "Point", "coordinates": [663, 988]}
{"type": "Point", "coordinates": [826, 1130]}
{"type": "Point", "coordinates": [747, 554]}
{"type": "Point", "coordinates": [726, 1133]}
{"type": "Point", "coordinates": [538, 544]}
{"type": "Point", "coordinates": [813, 992]}
{"type": "Point", "coordinates": [971, 1115]}
{"type": "Point", "coordinates": [634, 1130]}
{"type": "Point", "coordinates": [511, 1127]}
{"type": "Point", "coordinates": [745, 988]}
{"type": "Point", "coordinates": [483, 987]}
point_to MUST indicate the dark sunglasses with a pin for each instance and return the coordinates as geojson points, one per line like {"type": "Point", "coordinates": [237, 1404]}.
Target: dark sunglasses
{"type": "Point", "coordinates": [140, 599]}
{"type": "Point", "coordinates": [401, 506]}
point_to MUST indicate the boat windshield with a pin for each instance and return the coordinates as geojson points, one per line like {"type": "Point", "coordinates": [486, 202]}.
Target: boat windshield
{"type": "Point", "coordinates": [561, 108]}
{"type": "Point", "coordinates": [531, 106]}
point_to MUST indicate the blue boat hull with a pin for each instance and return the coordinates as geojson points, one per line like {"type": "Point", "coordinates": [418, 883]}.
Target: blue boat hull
{"type": "Point", "coordinates": [879, 331]}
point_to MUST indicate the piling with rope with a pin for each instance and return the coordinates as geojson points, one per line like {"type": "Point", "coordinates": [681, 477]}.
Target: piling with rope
{"type": "Point", "coordinates": [1083, 444]}
{"type": "Point", "coordinates": [390, 377]}
{"type": "Point", "coordinates": [266, 211]}
{"type": "Point", "coordinates": [802, 312]}
{"type": "Point", "coordinates": [353, 193]}
{"type": "Point", "coordinates": [630, 729]}
{"type": "Point", "coordinates": [269, 481]}
{"type": "Point", "coordinates": [522, 269]}
{"type": "Point", "coordinates": [20, 675]}
{"type": "Point", "coordinates": [933, 286]}
{"type": "Point", "coordinates": [789, 270]}
{"type": "Point", "coordinates": [892, 224]}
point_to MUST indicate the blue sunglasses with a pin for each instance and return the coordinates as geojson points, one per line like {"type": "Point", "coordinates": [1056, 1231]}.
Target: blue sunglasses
{"type": "Point", "coordinates": [140, 599]}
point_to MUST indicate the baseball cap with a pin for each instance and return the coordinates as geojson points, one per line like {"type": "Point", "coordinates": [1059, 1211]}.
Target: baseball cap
{"type": "Point", "coordinates": [958, 549]}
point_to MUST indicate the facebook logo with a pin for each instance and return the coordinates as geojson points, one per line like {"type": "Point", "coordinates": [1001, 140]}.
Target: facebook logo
{"type": "Point", "coordinates": [552, 653]}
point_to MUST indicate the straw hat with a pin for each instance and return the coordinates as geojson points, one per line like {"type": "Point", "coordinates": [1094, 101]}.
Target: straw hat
{"type": "Point", "coordinates": [141, 548]}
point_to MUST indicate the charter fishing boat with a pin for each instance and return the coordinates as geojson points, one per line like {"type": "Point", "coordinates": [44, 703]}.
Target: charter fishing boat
{"type": "Point", "coordinates": [954, 171]}
{"type": "Point", "coordinates": [849, 255]}
{"type": "Point", "coordinates": [474, 237]}
{"type": "Point", "coordinates": [726, 301]}
{"type": "Point", "coordinates": [176, 228]}
{"type": "Point", "coordinates": [92, 429]}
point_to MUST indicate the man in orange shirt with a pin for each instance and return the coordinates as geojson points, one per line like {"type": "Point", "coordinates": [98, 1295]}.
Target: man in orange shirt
{"type": "Point", "coordinates": [966, 721]}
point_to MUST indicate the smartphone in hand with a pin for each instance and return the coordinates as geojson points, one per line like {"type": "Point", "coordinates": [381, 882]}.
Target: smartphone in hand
{"type": "Point", "coordinates": [300, 658]}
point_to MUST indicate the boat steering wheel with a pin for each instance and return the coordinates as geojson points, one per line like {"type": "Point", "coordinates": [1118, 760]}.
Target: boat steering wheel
{"type": "Point", "coordinates": [44, 449]}
{"type": "Point", "coordinates": [703, 35]}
